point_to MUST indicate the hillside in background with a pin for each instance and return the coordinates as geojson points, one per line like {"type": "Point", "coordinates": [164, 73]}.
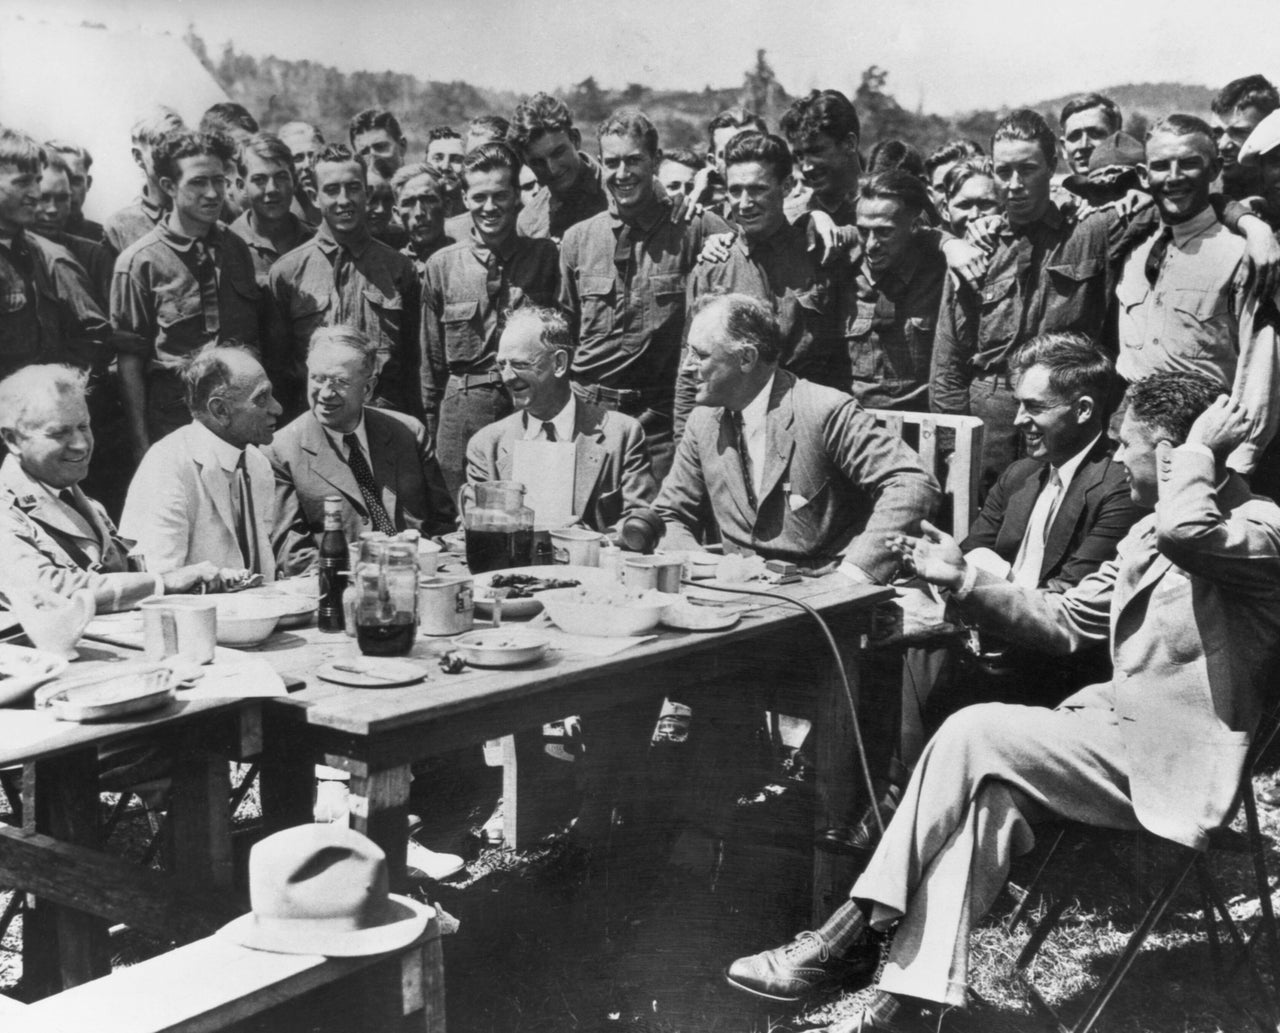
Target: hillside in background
{"type": "Point", "coordinates": [278, 90]}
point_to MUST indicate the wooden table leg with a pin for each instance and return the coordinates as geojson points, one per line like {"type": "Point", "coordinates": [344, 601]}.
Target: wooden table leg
{"type": "Point", "coordinates": [63, 947]}
{"type": "Point", "coordinates": [199, 818]}
{"type": "Point", "coordinates": [286, 772]}
{"type": "Point", "coordinates": [380, 810]}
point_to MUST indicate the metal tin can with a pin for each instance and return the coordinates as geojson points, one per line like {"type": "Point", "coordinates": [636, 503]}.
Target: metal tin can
{"type": "Point", "coordinates": [446, 605]}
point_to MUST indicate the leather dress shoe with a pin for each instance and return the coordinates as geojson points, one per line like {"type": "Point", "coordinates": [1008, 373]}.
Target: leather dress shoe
{"type": "Point", "coordinates": [801, 968]}
{"type": "Point", "coordinates": [860, 840]}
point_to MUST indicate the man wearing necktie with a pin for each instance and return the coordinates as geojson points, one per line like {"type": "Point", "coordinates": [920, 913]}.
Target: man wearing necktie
{"type": "Point", "coordinates": [53, 537]}
{"type": "Point", "coordinates": [344, 277]}
{"type": "Point", "coordinates": [623, 276]}
{"type": "Point", "coordinates": [1191, 610]}
{"type": "Point", "coordinates": [187, 282]}
{"type": "Point", "coordinates": [467, 290]}
{"type": "Point", "coordinates": [205, 492]}
{"type": "Point", "coordinates": [380, 463]}
{"type": "Point", "coordinates": [1183, 302]}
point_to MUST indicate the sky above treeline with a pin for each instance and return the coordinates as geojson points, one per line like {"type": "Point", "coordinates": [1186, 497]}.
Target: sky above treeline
{"type": "Point", "coordinates": [945, 56]}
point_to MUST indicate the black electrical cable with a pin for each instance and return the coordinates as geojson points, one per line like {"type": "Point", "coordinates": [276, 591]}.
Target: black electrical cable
{"type": "Point", "coordinates": [844, 677]}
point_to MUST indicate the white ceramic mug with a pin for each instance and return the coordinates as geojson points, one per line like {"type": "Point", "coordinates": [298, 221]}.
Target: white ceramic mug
{"type": "Point", "coordinates": [576, 546]}
{"type": "Point", "coordinates": [180, 625]}
{"type": "Point", "coordinates": [428, 557]}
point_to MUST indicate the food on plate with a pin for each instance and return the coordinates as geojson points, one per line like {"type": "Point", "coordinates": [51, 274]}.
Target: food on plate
{"type": "Point", "coordinates": [737, 568]}
{"type": "Point", "coordinates": [524, 585]}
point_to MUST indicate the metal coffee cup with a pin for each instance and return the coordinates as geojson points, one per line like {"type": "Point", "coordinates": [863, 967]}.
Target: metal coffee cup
{"type": "Point", "coordinates": [446, 605]}
{"type": "Point", "coordinates": [179, 625]}
{"type": "Point", "coordinates": [577, 546]}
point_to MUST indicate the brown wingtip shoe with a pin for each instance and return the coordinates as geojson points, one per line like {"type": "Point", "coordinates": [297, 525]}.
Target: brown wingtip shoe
{"type": "Point", "coordinates": [802, 968]}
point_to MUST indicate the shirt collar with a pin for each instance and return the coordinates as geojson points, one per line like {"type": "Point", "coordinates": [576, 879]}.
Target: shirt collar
{"type": "Point", "coordinates": [774, 240]}
{"type": "Point", "coordinates": [327, 243]}
{"type": "Point", "coordinates": [362, 436]}
{"type": "Point", "coordinates": [895, 280]}
{"type": "Point", "coordinates": [227, 454]}
{"type": "Point", "coordinates": [563, 421]}
{"type": "Point", "coordinates": [1067, 470]}
{"type": "Point", "coordinates": [181, 242]}
{"type": "Point", "coordinates": [37, 485]}
{"type": "Point", "coordinates": [154, 210]}
{"type": "Point", "coordinates": [654, 212]}
{"type": "Point", "coordinates": [1197, 225]}
{"type": "Point", "coordinates": [1052, 219]}
{"type": "Point", "coordinates": [754, 412]}
{"type": "Point", "coordinates": [482, 251]}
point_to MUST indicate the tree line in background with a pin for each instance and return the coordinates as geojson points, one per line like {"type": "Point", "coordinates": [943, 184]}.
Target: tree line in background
{"type": "Point", "coordinates": [277, 91]}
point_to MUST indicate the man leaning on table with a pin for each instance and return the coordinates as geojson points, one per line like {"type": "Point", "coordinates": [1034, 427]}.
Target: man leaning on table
{"type": "Point", "coordinates": [382, 464]}
{"type": "Point", "coordinates": [53, 537]}
{"type": "Point", "coordinates": [612, 475]}
{"type": "Point", "coordinates": [205, 492]}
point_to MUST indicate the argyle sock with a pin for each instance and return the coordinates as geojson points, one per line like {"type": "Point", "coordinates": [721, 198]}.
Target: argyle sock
{"type": "Point", "coordinates": [847, 928]}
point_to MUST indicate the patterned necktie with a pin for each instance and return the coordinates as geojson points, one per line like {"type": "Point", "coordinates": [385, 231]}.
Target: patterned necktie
{"type": "Point", "coordinates": [368, 486]}
{"type": "Point", "coordinates": [744, 457]}
{"type": "Point", "coordinates": [1030, 558]}
{"type": "Point", "coordinates": [549, 429]}
{"type": "Point", "coordinates": [207, 277]}
{"type": "Point", "coordinates": [246, 523]}
{"type": "Point", "coordinates": [1155, 257]}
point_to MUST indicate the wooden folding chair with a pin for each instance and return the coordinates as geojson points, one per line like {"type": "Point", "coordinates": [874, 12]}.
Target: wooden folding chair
{"type": "Point", "coordinates": [1212, 902]}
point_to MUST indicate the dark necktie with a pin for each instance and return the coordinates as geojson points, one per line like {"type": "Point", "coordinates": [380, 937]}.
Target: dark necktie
{"type": "Point", "coordinates": [68, 497]}
{"type": "Point", "coordinates": [207, 277]}
{"type": "Point", "coordinates": [744, 457]}
{"type": "Point", "coordinates": [622, 250]}
{"type": "Point", "coordinates": [1155, 258]}
{"type": "Point", "coordinates": [549, 429]}
{"type": "Point", "coordinates": [246, 523]}
{"type": "Point", "coordinates": [368, 486]}
{"type": "Point", "coordinates": [341, 273]}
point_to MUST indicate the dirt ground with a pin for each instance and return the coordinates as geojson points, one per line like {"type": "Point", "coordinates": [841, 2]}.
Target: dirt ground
{"type": "Point", "coordinates": [636, 938]}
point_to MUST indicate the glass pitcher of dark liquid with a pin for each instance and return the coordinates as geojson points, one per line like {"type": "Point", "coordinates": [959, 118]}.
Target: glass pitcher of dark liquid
{"type": "Point", "coordinates": [387, 597]}
{"type": "Point", "coordinates": [497, 524]}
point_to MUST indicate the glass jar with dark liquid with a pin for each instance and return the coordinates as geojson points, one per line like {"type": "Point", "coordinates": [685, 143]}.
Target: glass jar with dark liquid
{"type": "Point", "coordinates": [387, 600]}
{"type": "Point", "coordinates": [498, 526]}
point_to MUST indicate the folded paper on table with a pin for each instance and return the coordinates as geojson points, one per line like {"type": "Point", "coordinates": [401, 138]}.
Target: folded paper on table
{"type": "Point", "coordinates": [546, 469]}
{"type": "Point", "coordinates": [236, 679]}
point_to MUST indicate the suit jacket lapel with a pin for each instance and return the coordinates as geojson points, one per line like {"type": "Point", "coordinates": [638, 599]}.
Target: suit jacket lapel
{"type": "Point", "coordinates": [382, 460]}
{"type": "Point", "coordinates": [726, 448]}
{"type": "Point", "coordinates": [217, 482]}
{"type": "Point", "coordinates": [588, 437]}
{"type": "Point", "coordinates": [1018, 511]}
{"type": "Point", "coordinates": [328, 465]}
{"type": "Point", "coordinates": [1087, 478]}
{"type": "Point", "coordinates": [779, 441]}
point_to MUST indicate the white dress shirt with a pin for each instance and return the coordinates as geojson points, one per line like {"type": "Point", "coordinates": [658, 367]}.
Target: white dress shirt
{"type": "Point", "coordinates": [563, 421]}
{"type": "Point", "coordinates": [754, 430]}
{"type": "Point", "coordinates": [1030, 558]}
{"type": "Point", "coordinates": [362, 436]}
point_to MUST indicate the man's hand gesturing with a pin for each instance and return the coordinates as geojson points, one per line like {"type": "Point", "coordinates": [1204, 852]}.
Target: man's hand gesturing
{"type": "Point", "coordinates": [935, 556]}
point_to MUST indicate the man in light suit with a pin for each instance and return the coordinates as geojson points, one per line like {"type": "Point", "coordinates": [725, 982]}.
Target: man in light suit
{"type": "Point", "coordinates": [612, 476]}
{"type": "Point", "coordinates": [817, 482]}
{"type": "Point", "coordinates": [382, 464]}
{"type": "Point", "coordinates": [1191, 606]}
{"type": "Point", "coordinates": [53, 537]}
{"type": "Point", "coordinates": [205, 492]}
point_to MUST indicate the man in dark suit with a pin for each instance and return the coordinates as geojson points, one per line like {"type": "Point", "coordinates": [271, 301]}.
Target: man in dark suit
{"type": "Point", "coordinates": [381, 463]}
{"type": "Point", "coordinates": [789, 469]}
{"type": "Point", "coordinates": [612, 476]}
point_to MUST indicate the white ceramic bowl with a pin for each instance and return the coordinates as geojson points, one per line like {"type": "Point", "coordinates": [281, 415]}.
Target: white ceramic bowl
{"type": "Point", "coordinates": [246, 621]}
{"type": "Point", "coordinates": [500, 647]}
{"type": "Point", "coordinates": [585, 614]}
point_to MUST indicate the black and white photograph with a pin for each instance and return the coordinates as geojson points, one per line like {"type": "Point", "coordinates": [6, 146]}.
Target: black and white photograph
{"type": "Point", "coordinates": [558, 517]}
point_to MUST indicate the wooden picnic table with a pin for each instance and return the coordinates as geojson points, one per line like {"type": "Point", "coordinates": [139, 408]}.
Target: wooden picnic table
{"type": "Point", "coordinates": [376, 735]}
{"type": "Point", "coordinates": [56, 855]}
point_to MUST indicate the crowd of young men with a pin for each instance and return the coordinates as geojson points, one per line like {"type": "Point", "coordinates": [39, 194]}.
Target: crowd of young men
{"type": "Point", "coordinates": [277, 318]}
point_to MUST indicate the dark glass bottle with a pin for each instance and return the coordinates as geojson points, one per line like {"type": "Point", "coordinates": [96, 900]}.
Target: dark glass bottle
{"type": "Point", "coordinates": [334, 561]}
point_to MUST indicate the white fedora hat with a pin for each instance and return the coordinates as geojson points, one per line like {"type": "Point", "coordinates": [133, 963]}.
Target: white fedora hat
{"type": "Point", "coordinates": [322, 889]}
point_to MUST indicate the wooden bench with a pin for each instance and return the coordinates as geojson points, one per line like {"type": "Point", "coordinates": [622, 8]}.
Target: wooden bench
{"type": "Point", "coordinates": [957, 467]}
{"type": "Point", "coordinates": [214, 984]}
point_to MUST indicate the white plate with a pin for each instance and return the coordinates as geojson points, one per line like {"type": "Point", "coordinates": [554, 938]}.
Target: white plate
{"type": "Point", "coordinates": [689, 617]}
{"type": "Point", "coordinates": [23, 669]}
{"type": "Point", "coordinates": [371, 672]}
{"type": "Point", "coordinates": [109, 692]}
{"type": "Point", "coordinates": [500, 647]}
{"type": "Point", "coordinates": [529, 607]}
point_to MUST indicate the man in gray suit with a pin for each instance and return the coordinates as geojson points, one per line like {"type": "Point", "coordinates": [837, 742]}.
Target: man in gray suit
{"type": "Point", "coordinates": [382, 464]}
{"type": "Point", "coordinates": [789, 469]}
{"type": "Point", "coordinates": [1191, 606]}
{"type": "Point", "coordinates": [612, 476]}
